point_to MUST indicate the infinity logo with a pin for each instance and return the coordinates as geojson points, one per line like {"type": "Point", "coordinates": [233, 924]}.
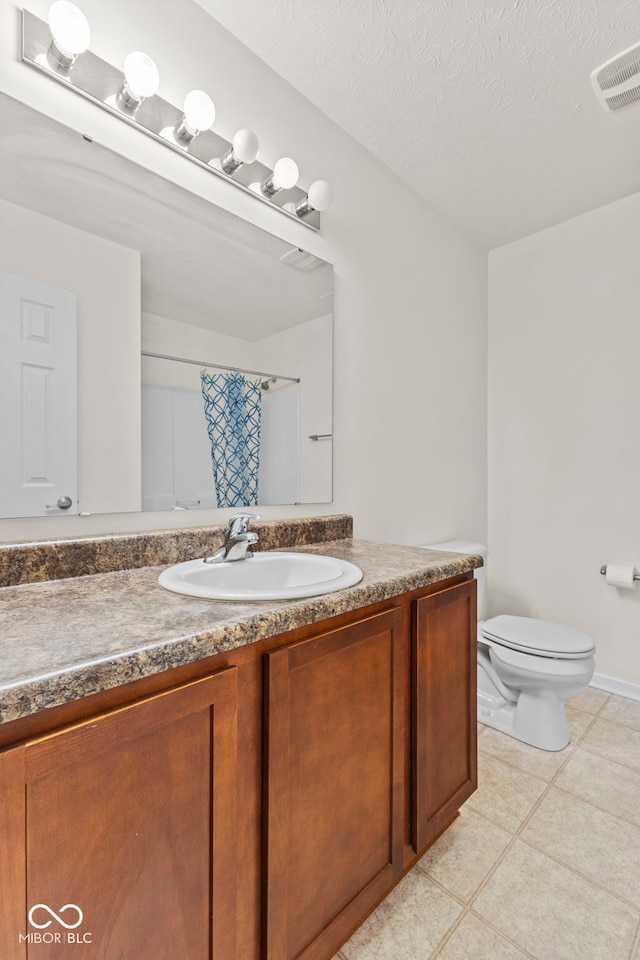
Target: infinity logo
{"type": "Point", "coordinates": [47, 923]}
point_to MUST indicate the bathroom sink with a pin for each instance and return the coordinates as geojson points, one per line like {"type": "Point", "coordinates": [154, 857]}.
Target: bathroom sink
{"type": "Point", "coordinates": [264, 576]}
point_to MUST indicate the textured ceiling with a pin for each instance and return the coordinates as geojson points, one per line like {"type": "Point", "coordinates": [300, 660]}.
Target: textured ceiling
{"type": "Point", "coordinates": [485, 108]}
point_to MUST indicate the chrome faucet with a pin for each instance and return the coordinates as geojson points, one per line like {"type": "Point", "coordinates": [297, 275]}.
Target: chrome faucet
{"type": "Point", "coordinates": [237, 539]}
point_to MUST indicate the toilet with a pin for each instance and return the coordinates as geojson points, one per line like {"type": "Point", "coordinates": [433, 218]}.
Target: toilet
{"type": "Point", "coordinates": [527, 669]}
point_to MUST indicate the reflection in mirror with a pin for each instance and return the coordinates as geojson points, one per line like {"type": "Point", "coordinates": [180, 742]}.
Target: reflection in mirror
{"type": "Point", "coordinates": [143, 266]}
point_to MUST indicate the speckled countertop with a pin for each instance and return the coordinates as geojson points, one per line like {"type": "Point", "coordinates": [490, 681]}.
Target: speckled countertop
{"type": "Point", "coordinates": [65, 639]}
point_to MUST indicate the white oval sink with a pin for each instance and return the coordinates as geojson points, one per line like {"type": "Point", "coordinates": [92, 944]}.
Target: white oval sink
{"type": "Point", "coordinates": [265, 576]}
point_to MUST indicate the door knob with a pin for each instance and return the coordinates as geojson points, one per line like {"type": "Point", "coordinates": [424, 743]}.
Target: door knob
{"type": "Point", "coordinates": [63, 503]}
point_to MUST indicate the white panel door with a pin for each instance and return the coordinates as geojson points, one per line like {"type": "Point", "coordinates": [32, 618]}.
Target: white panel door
{"type": "Point", "coordinates": [38, 425]}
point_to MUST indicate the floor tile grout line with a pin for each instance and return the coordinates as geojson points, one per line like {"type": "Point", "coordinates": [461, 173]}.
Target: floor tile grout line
{"type": "Point", "coordinates": [469, 909]}
{"type": "Point", "coordinates": [575, 745]}
{"type": "Point", "coordinates": [493, 869]}
{"type": "Point", "coordinates": [536, 805]}
{"type": "Point", "coordinates": [634, 906]}
{"type": "Point", "coordinates": [596, 806]}
{"type": "Point", "coordinates": [626, 726]}
{"type": "Point", "coordinates": [513, 766]}
{"type": "Point", "coordinates": [516, 834]}
{"type": "Point", "coordinates": [603, 756]}
{"type": "Point", "coordinates": [447, 936]}
{"type": "Point", "coordinates": [467, 905]}
{"type": "Point", "coordinates": [454, 896]}
{"type": "Point", "coordinates": [635, 946]}
{"type": "Point", "coordinates": [521, 769]}
{"type": "Point", "coordinates": [621, 723]}
{"type": "Point", "coordinates": [501, 933]}
{"type": "Point", "coordinates": [489, 819]}
{"type": "Point", "coordinates": [455, 926]}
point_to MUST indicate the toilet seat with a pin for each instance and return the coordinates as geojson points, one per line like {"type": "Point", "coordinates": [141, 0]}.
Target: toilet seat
{"type": "Point", "coordinates": [544, 668]}
{"type": "Point", "coordinates": [540, 638]}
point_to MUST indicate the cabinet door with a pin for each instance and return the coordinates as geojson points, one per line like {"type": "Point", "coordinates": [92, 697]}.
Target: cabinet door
{"type": "Point", "coordinates": [129, 820]}
{"type": "Point", "coordinates": [444, 714]}
{"type": "Point", "coordinates": [334, 801]}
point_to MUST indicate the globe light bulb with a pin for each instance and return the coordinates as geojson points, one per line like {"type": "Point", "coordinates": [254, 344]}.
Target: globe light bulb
{"type": "Point", "coordinates": [70, 31]}
{"type": "Point", "coordinates": [285, 174]}
{"type": "Point", "coordinates": [245, 146]}
{"type": "Point", "coordinates": [320, 195]}
{"type": "Point", "coordinates": [199, 111]}
{"type": "Point", "coordinates": [141, 76]}
{"type": "Point", "coordinates": [318, 198]}
{"type": "Point", "coordinates": [244, 149]}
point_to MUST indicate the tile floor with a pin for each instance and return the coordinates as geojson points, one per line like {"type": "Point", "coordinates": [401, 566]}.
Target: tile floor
{"type": "Point", "coordinates": [543, 861]}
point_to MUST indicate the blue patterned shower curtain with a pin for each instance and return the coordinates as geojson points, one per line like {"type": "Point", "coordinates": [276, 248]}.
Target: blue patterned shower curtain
{"type": "Point", "coordinates": [232, 406]}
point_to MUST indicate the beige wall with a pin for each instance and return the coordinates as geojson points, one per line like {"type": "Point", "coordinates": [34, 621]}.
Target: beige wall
{"type": "Point", "coordinates": [410, 289]}
{"type": "Point", "coordinates": [106, 280]}
{"type": "Point", "coordinates": [564, 448]}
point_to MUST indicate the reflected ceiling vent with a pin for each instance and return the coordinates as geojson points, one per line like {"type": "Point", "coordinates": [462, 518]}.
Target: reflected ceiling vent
{"type": "Point", "coordinates": [299, 259]}
{"type": "Point", "coordinates": [617, 82]}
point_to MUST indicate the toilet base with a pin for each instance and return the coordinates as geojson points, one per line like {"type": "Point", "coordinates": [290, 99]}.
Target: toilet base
{"type": "Point", "coordinates": [537, 718]}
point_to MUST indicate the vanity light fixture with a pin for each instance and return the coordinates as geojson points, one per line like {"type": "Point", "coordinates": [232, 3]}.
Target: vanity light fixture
{"type": "Point", "coordinates": [59, 48]}
{"type": "Point", "coordinates": [284, 176]}
{"type": "Point", "coordinates": [70, 34]}
{"type": "Point", "coordinates": [244, 149]}
{"type": "Point", "coordinates": [141, 80]}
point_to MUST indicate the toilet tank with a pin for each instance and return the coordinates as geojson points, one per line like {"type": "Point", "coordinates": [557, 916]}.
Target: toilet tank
{"type": "Point", "coordinates": [468, 546]}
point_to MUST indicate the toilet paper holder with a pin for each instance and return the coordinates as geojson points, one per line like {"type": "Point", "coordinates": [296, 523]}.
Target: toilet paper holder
{"type": "Point", "coordinates": [603, 571]}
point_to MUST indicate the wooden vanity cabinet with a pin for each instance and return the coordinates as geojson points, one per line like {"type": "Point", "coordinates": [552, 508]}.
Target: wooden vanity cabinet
{"type": "Point", "coordinates": [356, 740]}
{"type": "Point", "coordinates": [130, 818]}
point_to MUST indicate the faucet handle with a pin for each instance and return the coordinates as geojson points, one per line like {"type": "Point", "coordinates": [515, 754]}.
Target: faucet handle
{"type": "Point", "coordinates": [239, 523]}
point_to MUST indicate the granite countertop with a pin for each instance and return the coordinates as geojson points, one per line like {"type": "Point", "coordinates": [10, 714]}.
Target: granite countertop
{"type": "Point", "coordinates": [65, 639]}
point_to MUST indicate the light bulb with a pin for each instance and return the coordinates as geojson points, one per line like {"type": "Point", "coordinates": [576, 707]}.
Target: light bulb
{"type": "Point", "coordinates": [318, 198]}
{"type": "Point", "coordinates": [199, 111]}
{"type": "Point", "coordinates": [320, 195]}
{"type": "Point", "coordinates": [243, 149]}
{"type": "Point", "coordinates": [70, 31]}
{"type": "Point", "coordinates": [285, 174]}
{"type": "Point", "coordinates": [245, 146]}
{"type": "Point", "coordinates": [141, 76]}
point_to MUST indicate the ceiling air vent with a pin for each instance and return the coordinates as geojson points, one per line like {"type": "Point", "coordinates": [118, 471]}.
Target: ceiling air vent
{"type": "Point", "coordinates": [299, 259]}
{"type": "Point", "coordinates": [617, 82]}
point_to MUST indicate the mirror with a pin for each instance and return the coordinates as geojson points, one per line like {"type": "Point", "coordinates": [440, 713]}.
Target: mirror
{"type": "Point", "coordinates": [144, 267]}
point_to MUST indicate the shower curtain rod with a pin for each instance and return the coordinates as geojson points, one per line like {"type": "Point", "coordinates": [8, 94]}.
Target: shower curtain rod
{"type": "Point", "coordinates": [221, 366]}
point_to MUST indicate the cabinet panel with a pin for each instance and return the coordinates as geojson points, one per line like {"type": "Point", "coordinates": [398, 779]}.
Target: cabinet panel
{"type": "Point", "coordinates": [13, 908]}
{"type": "Point", "coordinates": [129, 821]}
{"type": "Point", "coordinates": [444, 708]}
{"type": "Point", "coordinates": [334, 761]}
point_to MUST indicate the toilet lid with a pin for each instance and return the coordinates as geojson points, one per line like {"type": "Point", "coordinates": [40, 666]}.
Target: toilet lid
{"type": "Point", "coordinates": [539, 637]}
{"type": "Point", "coordinates": [557, 668]}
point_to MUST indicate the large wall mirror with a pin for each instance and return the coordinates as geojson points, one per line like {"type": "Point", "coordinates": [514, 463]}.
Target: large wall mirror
{"type": "Point", "coordinates": [157, 352]}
